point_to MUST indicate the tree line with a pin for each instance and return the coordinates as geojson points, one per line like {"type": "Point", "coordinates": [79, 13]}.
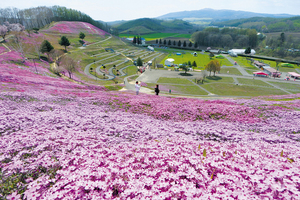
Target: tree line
{"type": "Point", "coordinates": [41, 16]}
{"type": "Point", "coordinates": [226, 37]}
{"type": "Point", "coordinates": [178, 43]}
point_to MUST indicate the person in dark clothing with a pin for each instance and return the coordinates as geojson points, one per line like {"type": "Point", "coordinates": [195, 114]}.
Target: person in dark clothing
{"type": "Point", "coordinates": [156, 90]}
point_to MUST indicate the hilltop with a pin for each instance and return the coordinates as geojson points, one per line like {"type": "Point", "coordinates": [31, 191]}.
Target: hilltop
{"type": "Point", "coordinates": [65, 27]}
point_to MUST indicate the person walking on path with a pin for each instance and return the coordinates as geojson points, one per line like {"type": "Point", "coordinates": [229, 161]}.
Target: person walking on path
{"type": "Point", "coordinates": [137, 87]}
{"type": "Point", "coordinates": [156, 90]}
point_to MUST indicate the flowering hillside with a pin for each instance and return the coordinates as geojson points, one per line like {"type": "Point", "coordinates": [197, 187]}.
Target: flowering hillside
{"type": "Point", "coordinates": [62, 140]}
{"type": "Point", "coordinates": [75, 27]}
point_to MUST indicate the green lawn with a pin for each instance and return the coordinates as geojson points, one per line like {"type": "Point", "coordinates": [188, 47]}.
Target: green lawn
{"type": "Point", "coordinates": [227, 89]}
{"type": "Point", "coordinates": [251, 82]}
{"type": "Point", "coordinates": [201, 60]}
{"type": "Point", "coordinates": [287, 86]}
{"type": "Point", "coordinates": [180, 89]}
{"type": "Point", "coordinates": [174, 81]}
{"type": "Point", "coordinates": [183, 36]}
{"type": "Point", "coordinates": [231, 71]}
{"type": "Point", "coordinates": [191, 90]}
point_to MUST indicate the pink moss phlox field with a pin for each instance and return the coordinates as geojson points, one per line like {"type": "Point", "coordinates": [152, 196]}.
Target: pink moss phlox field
{"type": "Point", "coordinates": [97, 153]}
{"type": "Point", "coordinates": [3, 49]}
{"type": "Point", "coordinates": [76, 27]}
{"type": "Point", "coordinates": [64, 140]}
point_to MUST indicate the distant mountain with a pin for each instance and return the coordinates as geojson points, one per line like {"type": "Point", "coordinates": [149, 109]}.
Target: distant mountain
{"type": "Point", "coordinates": [147, 25]}
{"type": "Point", "coordinates": [218, 15]}
{"type": "Point", "coordinates": [265, 24]}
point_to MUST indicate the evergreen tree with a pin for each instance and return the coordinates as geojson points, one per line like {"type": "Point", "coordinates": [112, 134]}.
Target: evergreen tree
{"type": "Point", "coordinates": [184, 44]}
{"type": "Point", "coordinates": [165, 42]}
{"type": "Point", "coordinates": [156, 41]}
{"type": "Point", "coordinates": [160, 41]}
{"type": "Point", "coordinates": [138, 40]}
{"type": "Point", "coordinates": [189, 63]}
{"type": "Point", "coordinates": [139, 62]}
{"type": "Point", "coordinates": [282, 38]}
{"type": "Point", "coordinates": [134, 40]}
{"type": "Point", "coordinates": [179, 43]}
{"type": "Point", "coordinates": [81, 35]}
{"type": "Point", "coordinates": [169, 43]}
{"type": "Point", "coordinates": [174, 43]}
{"type": "Point", "coordinates": [46, 47]}
{"type": "Point", "coordinates": [64, 41]}
{"type": "Point", "coordinates": [196, 45]}
{"type": "Point", "coordinates": [190, 44]}
{"type": "Point", "coordinates": [194, 64]}
{"type": "Point", "coordinates": [248, 50]}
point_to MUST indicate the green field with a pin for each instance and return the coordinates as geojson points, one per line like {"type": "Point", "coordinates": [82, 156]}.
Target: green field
{"type": "Point", "coordinates": [287, 86]}
{"type": "Point", "coordinates": [154, 36]}
{"type": "Point", "coordinates": [228, 89]}
{"type": "Point", "coordinates": [174, 81]}
{"type": "Point", "coordinates": [251, 82]}
{"type": "Point", "coordinates": [183, 35]}
{"type": "Point", "coordinates": [230, 71]}
{"type": "Point", "coordinates": [189, 90]}
{"type": "Point", "coordinates": [201, 60]}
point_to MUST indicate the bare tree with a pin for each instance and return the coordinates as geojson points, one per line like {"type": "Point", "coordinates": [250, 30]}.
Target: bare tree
{"type": "Point", "coordinates": [18, 44]}
{"type": "Point", "coordinates": [56, 55]}
{"type": "Point", "coordinates": [69, 64]}
{"type": "Point", "coordinates": [3, 31]}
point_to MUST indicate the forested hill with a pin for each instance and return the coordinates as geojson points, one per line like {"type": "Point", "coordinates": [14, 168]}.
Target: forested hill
{"type": "Point", "coordinates": [153, 25]}
{"type": "Point", "coordinates": [41, 16]}
{"type": "Point", "coordinates": [264, 24]}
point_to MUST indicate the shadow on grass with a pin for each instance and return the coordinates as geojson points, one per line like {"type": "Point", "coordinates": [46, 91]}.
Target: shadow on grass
{"type": "Point", "coordinates": [185, 74]}
{"type": "Point", "coordinates": [214, 78]}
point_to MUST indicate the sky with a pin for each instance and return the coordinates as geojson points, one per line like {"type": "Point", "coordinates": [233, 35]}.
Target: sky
{"type": "Point", "coordinates": [113, 10]}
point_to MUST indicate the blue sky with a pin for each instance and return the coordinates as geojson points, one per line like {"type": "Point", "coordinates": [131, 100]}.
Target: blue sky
{"type": "Point", "coordinates": [111, 10]}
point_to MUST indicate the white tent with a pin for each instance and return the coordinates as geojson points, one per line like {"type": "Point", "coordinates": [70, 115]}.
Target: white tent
{"type": "Point", "coordinates": [150, 48]}
{"type": "Point", "coordinates": [169, 62]}
{"type": "Point", "coordinates": [241, 51]}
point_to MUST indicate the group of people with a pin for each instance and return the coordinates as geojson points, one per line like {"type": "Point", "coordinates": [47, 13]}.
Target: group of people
{"type": "Point", "coordinates": [137, 88]}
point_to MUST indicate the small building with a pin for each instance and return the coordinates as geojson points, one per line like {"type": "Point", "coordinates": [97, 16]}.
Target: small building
{"type": "Point", "coordinates": [215, 51]}
{"type": "Point", "coordinates": [259, 64]}
{"type": "Point", "coordinates": [271, 72]}
{"type": "Point", "coordinates": [294, 75]}
{"type": "Point", "coordinates": [261, 74]}
{"type": "Point", "coordinates": [169, 62]}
